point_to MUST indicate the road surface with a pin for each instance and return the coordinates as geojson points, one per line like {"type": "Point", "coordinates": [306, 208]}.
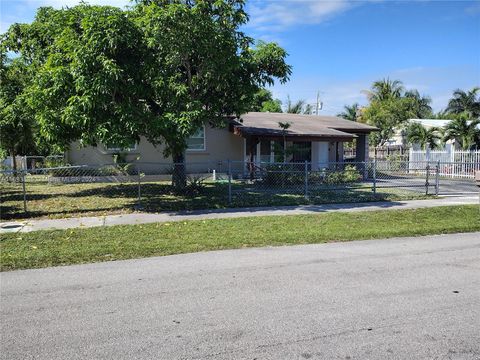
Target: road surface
{"type": "Point", "coordinates": [410, 298]}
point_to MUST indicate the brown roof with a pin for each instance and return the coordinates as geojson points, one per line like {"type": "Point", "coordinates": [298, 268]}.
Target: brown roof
{"type": "Point", "coordinates": [301, 126]}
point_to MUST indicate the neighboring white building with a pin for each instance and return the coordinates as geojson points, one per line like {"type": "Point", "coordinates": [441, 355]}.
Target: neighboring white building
{"type": "Point", "coordinates": [400, 137]}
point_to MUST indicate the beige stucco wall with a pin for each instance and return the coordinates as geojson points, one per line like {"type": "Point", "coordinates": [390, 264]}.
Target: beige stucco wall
{"type": "Point", "coordinates": [220, 144]}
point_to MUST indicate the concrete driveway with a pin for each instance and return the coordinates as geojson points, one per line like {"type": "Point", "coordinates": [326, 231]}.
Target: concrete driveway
{"type": "Point", "coordinates": [410, 298]}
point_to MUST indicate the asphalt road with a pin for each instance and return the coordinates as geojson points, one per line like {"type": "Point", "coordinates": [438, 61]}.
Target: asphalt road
{"type": "Point", "coordinates": [448, 186]}
{"type": "Point", "coordinates": [412, 298]}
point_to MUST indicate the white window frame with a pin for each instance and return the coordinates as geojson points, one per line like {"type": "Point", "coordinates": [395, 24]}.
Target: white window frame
{"type": "Point", "coordinates": [204, 148]}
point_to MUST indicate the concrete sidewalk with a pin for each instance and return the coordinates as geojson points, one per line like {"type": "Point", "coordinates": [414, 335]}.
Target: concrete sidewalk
{"type": "Point", "coordinates": [144, 218]}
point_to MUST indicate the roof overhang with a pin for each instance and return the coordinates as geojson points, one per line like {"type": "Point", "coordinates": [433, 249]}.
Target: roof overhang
{"type": "Point", "coordinates": [274, 134]}
{"type": "Point", "coordinates": [301, 127]}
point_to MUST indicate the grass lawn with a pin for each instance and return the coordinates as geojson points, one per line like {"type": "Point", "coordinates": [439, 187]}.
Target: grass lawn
{"type": "Point", "coordinates": [63, 247]}
{"type": "Point", "coordinates": [68, 200]}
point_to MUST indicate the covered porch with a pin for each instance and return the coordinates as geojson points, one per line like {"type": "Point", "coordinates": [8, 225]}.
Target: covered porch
{"type": "Point", "coordinates": [318, 140]}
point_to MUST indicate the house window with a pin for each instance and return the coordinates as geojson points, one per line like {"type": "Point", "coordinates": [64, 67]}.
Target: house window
{"type": "Point", "coordinates": [196, 142]}
{"type": "Point", "coordinates": [117, 147]}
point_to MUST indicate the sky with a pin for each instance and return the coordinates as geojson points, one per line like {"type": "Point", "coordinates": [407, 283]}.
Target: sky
{"type": "Point", "coordinates": [339, 48]}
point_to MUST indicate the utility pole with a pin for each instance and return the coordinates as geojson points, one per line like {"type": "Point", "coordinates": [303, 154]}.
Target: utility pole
{"type": "Point", "coordinates": [319, 105]}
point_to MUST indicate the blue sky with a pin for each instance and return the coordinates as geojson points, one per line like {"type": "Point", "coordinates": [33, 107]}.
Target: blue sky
{"type": "Point", "coordinates": [340, 47]}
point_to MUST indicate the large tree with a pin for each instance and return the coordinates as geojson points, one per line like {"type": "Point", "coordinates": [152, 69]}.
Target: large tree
{"type": "Point", "coordinates": [465, 102]}
{"type": "Point", "coordinates": [210, 69]}
{"type": "Point", "coordinates": [391, 106]}
{"type": "Point", "coordinates": [388, 116]}
{"type": "Point", "coordinates": [90, 70]}
{"type": "Point", "coordinates": [160, 70]}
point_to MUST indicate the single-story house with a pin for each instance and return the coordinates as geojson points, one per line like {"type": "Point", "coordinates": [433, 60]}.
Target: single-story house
{"type": "Point", "coordinates": [254, 137]}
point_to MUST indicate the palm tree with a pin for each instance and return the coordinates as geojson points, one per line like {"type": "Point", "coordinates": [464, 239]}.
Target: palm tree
{"type": "Point", "coordinates": [463, 131]}
{"type": "Point", "coordinates": [418, 134]}
{"type": "Point", "coordinates": [284, 126]}
{"type": "Point", "coordinates": [300, 107]}
{"type": "Point", "coordinates": [351, 112]}
{"type": "Point", "coordinates": [422, 108]}
{"type": "Point", "coordinates": [385, 89]}
{"type": "Point", "coordinates": [465, 102]}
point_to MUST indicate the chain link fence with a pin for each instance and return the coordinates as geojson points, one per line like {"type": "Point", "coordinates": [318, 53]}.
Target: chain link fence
{"type": "Point", "coordinates": [119, 188]}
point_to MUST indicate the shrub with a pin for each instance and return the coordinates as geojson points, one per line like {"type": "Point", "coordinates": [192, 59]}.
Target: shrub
{"type": "Point", "coordinates": [195, 185]}
{"type": "Point", "coordinates": [283, 174]}
{"type": "Point", "coordinates": [349, 175]}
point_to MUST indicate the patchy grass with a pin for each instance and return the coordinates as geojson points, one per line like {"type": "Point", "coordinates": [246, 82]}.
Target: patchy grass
{"type": "Point", "coordinates": [69, 200]}
{"type": "Point", "coordinates": [64, 247]}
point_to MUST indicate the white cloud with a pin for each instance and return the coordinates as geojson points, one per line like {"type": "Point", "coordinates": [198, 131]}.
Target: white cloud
{"type": "Point", "coordinates": [473, 9]}
{"type": "Point", "coordinates": [277, 15]}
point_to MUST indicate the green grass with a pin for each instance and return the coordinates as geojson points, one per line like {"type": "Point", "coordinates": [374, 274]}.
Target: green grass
{"type": "Point", "coordinates": [69, 200]}
{"type": "Point", "coordinates": [64, 247]}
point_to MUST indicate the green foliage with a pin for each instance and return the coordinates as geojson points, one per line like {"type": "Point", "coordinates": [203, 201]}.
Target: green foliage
{"type": "Point", "coordinates": [284, 175]}
{"type": "Point", "coordinates": [299, 107]}
{"type": "Point", "coordinates": [264, 102]}
{"type": "Point", "coordinates": [203, 80]}
{"type": "Point", "coordinates": [463, 130]}
{"type": "Point", "coordinates": [420, 105]}
{"type": "Point", "coordinates": [391, 106]}
{"type": "Point", "coordinates": [387, 116]}
{"type": "Point", "coordinates": [465, 102]}
{"type": "Point", "coordinates": [349, 175]}
{"type": "Point", "coordinates": [418, 134]}
{"type": "Point", "coordinates": [160, 70]}
{"type": "Point", "coordinates": [89, 63]}
{"type": "Point", "coordinates": [294, 175]}
{"type": "Point", "coordinates": [195, 185]}
{"type": "Point", "coordinates": [52, 162]}
{"type": "Point", "coordinates": [385, 89]}
{"type": "Point", "coordinates": [351, 113]}
{"type": "Point", "coordinates": [274, 106]}
{"type": "Point", "coordinates": [16, 120]}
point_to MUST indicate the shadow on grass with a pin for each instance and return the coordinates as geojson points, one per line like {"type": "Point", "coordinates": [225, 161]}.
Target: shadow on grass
{"type": "Point", "coordinates": [17, 213]}
{"type": "Point", "coordinates": [159, 197]}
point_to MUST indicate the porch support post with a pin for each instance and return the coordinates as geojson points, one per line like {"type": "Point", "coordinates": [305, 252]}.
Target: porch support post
{"type": "Point", "coordinates": [252, 150]}
{"type": "Point", "coordinates": [361, 148]}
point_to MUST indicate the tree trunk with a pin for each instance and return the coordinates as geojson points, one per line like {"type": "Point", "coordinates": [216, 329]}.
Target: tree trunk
{"type": "Point", "coordinates": [179, 176]}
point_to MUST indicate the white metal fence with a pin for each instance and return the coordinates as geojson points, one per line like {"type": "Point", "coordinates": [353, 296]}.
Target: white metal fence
{"type": "Point", "coordinates": [452, 164]}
